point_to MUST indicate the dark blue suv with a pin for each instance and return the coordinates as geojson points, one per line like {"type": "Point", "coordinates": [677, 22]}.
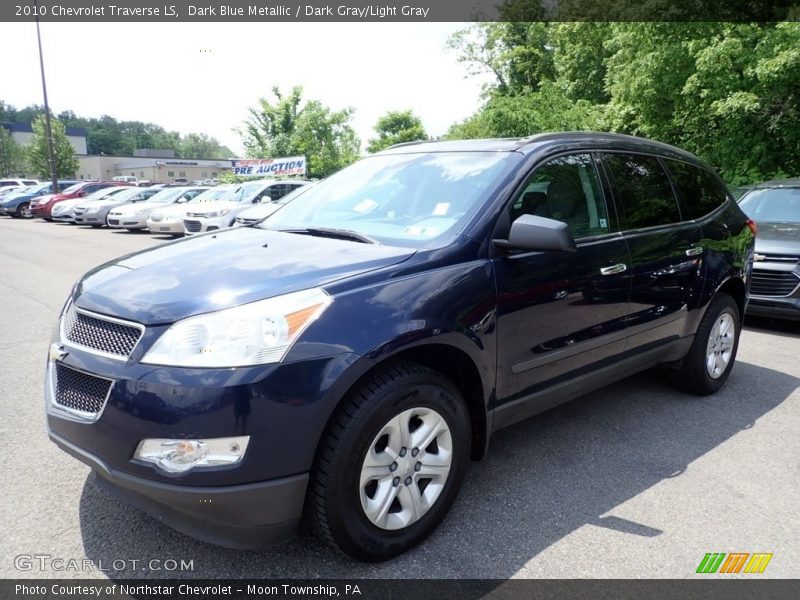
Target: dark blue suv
{"type": "Point", "coordinates": [346, 358]}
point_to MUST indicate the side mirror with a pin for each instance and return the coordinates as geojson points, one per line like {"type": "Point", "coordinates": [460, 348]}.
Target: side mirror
{"type": "Point", "coordinates": [81, 194]}
{"type": "Point", "coordinates": [529, 232]}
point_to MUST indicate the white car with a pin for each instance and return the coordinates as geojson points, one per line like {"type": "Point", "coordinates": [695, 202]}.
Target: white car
{"type": "Point", "coordinates": [218, 215]}
{"type": "Point", "coordinates": [134, 216]}
{"type": "Point", "coordinates": [169, 220]}
{"type": "Point", "coordinates": [18, 183]}
{"type": "Point", "coordinates": [95, 213]}
{"type": "Point", "coordinates": [259, 212]}
{"type": "Point", "coordinates": [64, 212]}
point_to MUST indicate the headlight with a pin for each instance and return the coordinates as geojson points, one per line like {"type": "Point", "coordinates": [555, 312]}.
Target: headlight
{"type": "Point", "coordinates": [92, 209]}
{"type": "Point", "coordinates": [252, 334]}
{"type": "Point", "coordinates": [218, 213]}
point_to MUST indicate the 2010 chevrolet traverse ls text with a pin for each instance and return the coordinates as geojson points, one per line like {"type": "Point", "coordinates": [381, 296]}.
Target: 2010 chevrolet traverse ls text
{"type": "Point", "coordinates": [348, 356]}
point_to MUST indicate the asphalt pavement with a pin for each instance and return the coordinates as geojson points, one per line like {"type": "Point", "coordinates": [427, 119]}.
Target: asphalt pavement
{"type": "Point", "coordinates": [636, 480]}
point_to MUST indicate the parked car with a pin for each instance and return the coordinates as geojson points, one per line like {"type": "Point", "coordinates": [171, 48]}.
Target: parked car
{"type": "Point", "coordinates": [134, 216]}
{"type": "Point", "coordinates": [19, 204]}
{"type": "Point", "coordinates": [169, 219]}
{"type": "Point", "coordinates": [126, 179]}
{"type": "Point", "coordinates": [740, 191]}
{"type": "Point", "coordinates": [219, 215]}
{"type": "Point", "coordinates": [18, 183]}
{"type": "Point", "coordinates": [64, 212]}
{"type": "Point", "coordinates": [259, 212]}
{"type": "Point", "coordinates": [9, 189]}
{"type": "Point", "coordinates": [96, 213]}
{"type": "Point", "coordinates": [347, 357]}
{"type": "Point", "coordinates": [775, 287]}
{"type": "Point", "coordinates": [43, 206]}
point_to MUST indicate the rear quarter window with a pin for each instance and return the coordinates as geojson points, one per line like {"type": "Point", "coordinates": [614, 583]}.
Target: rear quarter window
{"type": "Point", "coordinates": [702, 193]}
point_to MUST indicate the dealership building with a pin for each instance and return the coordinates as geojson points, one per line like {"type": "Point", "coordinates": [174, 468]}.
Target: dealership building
{"type": "Point", "coordinates": [152, 165]}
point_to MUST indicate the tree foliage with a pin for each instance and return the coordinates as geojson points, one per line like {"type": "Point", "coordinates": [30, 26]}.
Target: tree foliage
{"type": "Point", "coordinates": [12, 156]}
{"type": "Point", "coordinates": [396, 127]}
{"type": "Point", "coordinates": [285, 126]}
{"type": "Point", "coordinates": [729, 92]}
{"type": "Point", "coordinates": [66, 162]}
{"type": "Point", "coordinates": [105, 135]}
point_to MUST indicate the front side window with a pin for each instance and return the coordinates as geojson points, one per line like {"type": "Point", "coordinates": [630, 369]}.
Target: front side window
{"type": "Point", "coordinates": [643, 191]}
{"type": "Point", "coordinates": [565, 189]}
{"type": "Point", "coordinates": [701, 191]}
{"type": "Point", "coordinates": [401, 199]}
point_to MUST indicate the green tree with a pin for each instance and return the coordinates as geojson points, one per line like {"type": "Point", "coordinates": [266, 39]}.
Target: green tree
{"type": "Point", "coordinates": [395, 128]}
{"type": "Point", "coordinates": [200, 145]}
{"type": "Point", "coordinates": [12, 156]}
{"type": "Point", "coordinates": [66, 163]}
{"type": "Point", "coordinates": [286, 126]}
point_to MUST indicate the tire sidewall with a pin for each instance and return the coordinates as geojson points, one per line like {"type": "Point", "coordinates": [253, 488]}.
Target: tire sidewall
{"type": "Point", "coordinates": [352, 529]}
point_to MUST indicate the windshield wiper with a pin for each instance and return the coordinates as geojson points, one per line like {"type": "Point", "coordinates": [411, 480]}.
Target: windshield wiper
{"type": "Point", "coordinates": [331, 232]}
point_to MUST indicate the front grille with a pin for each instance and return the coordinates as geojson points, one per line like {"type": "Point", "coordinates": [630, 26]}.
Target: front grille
{"type": "Point", "coordinates": [99, 333]}
{"type": "Point", "coordinates": [156, 218]}
{"type": "Point", "coordinates": [113, 221]}
{"type": "Point", "coordinates": [79, 391]}
{"type": "Point", "coordinates": [779, 258]}
{"type": "Point", "coordinates": [79, 211]}
{"type": "Point", "coordinates": [192, 226]}
{"type": "Point", "coordinates": [773, 283]}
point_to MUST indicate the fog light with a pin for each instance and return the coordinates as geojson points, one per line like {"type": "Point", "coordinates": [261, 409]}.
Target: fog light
{"type": "Point", "coordinates": [179, 456]}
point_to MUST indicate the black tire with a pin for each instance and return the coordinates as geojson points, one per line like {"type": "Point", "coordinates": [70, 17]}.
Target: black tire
{"type": "Point", "coordinates": [335, 492]}
{"type": "Point", "coordinates": [693, 375]}
{"type": "Point", "coordinates": [23, 211]}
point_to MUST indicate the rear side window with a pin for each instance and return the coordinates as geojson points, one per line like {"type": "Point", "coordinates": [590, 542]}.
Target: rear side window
{"type": "Point", "coordinates": [643, 191]}
{"type": "Point", "coordinates": [701, 191]}
{"type": "Point", "coordinates": [565, 189]}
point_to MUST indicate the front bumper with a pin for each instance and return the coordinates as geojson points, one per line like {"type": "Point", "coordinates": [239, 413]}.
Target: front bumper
{"type": "Point", "coordinates": [251, 516]}
{"type": "Point", "coordinates": [192, 225]}
{"type": "Point", "coordinates": [778, 308]}
{"type": "Point", "coordinates": [123, 221]}
{"type": "Point", "coordinates": [775, 291]}
{"type": "Point", "coordinates": [64, 217]}
{"type": "Point", "coordinates": [171, 227]}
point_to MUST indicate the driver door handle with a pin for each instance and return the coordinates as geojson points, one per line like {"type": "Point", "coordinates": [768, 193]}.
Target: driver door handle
{"type": "Point", "coordinates": [614, 269]}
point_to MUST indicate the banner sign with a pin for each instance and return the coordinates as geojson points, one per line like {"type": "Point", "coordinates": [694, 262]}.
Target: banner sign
{"type": "Point", "coordinates": [270, 167]}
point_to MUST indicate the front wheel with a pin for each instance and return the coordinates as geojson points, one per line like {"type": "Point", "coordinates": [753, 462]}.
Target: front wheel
{"type": "Point", "coordinates": [709, 361]}
{"type": "Point", "coordinates": [391, 463]}
{"type": "Point", "coordinates": [24, 210]}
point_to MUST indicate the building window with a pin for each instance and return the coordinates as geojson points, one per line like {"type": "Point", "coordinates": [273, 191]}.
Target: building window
{"type": "Point", "coordinates": [141, 173]}
{"type": "Point", "coordinates": [204, 174]}
{"type": "Point", "coordinates": [170, 173]}
{"type": "Point", "coordinates": [182, 173]}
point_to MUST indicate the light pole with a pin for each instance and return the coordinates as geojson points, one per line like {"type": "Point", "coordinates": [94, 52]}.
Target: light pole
{"type": "Point", "coordinates": [51, 158]}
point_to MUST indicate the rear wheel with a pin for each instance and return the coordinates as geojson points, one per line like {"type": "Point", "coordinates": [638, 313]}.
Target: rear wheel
{"type": "Point", "coordinates": [709, 361]}
{"type": "Point", "coordinates": [24, 210]}
{"type": "Point", "coordinates": [391, 463]}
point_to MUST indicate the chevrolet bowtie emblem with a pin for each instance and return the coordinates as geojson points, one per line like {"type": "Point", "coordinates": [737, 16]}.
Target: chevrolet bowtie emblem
{"type": "Point", "coordinates": [57, 351]}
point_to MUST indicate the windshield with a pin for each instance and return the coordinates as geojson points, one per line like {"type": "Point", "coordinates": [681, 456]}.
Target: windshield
{"type": "Point", "coordinates": [778, 205]}
{"type": "Point", "coordinates": [403, 199]}
{"type": "Point", "coordinates": [214, 194]}
{"type": "Point", "coordinates": [247, 191]}
{"type": "Point", "coordinates": [72, 188]}
{"type": "Point", "coordinates": [167, 196]}
{"type": "Point", "coordinates": [105, 193]}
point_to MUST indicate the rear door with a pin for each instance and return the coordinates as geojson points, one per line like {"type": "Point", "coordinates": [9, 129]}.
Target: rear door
{"type": "Point", "coordinates": [665, 248]}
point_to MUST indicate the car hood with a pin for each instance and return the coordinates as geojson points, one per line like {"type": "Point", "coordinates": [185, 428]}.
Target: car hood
{"type": "Point", "coordinates": [101, 204]}
{"type": "Point", "coordinates": [131, 208]}
{"type": "Point", "coordinates": [260, 211]}
{"type": "Point", "coordinates": [208, 207]}
{"type": "Point", "coordinates": [223, 269]}
{"type": "Point", "coordinates": [778, 238]}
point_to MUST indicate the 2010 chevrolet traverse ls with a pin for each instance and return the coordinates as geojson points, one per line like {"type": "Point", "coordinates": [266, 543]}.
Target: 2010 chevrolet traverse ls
{"type": "Point", "coordinates": [350, 354]}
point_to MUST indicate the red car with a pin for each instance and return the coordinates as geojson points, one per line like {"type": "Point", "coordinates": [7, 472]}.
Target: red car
{"type": "Point", "coordinates": [43, 205]}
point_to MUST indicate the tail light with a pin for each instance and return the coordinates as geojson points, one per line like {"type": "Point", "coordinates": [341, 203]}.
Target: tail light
{"type": "Point", "coordinates": [752, 226]}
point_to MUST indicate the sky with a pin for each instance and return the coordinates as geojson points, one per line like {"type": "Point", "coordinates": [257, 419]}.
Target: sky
{"type": "Point", "coordinates": [202, 77]}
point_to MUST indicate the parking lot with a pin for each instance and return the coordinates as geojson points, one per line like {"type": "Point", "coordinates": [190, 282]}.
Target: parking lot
{"type": "Point", "coordinates": [636, 480]}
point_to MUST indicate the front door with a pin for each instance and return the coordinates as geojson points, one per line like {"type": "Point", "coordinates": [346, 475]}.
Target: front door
{"type": "Point", "coordinates": [561, 313]}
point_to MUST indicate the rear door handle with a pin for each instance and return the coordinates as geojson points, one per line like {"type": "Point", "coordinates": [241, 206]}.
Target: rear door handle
{"type": "Point", "coordinates": [614, 269]}
{"type": "Point", "coordinates": [694, 251]}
